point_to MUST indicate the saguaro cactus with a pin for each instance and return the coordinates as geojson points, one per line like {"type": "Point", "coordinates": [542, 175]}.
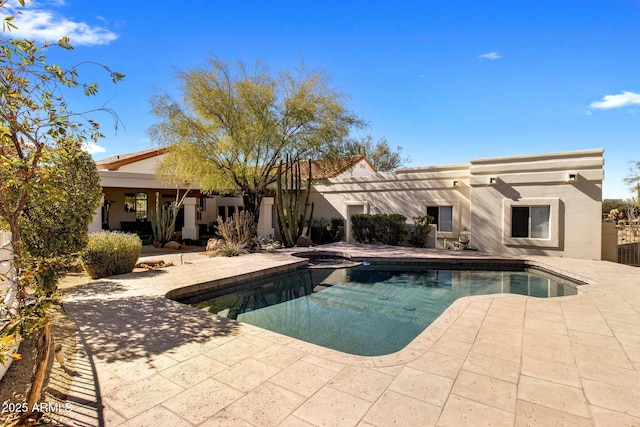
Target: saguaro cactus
{"type": "Point", "coordinates": [292, 214]}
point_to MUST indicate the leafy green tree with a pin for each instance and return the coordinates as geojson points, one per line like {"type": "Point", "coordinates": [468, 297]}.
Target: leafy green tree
{"type": "Point", "coordinates": [234, 126]}
{"type": "Point", "coordinates": [57, 215]}
{"type": "Point", "coordinates": [379, 153]}
{"type": "Point", "coordinates": [35, 125]}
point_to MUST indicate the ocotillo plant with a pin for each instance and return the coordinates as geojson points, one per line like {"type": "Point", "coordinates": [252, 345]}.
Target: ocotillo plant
{"type": "Point", "coordinates": [292, 214]}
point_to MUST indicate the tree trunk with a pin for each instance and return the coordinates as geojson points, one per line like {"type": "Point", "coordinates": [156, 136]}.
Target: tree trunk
{"type": "Point", "coordinates": [43, 342]}
{"type": "Point", "coordinates": [251, 202]}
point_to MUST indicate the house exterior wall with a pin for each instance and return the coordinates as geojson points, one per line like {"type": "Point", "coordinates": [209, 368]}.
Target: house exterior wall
{"type": "Point", "coordinates": [407, 192]}
{"type": "Point", "coordinates": [569, 183]}
{"type": "Point", "coordinates": [142, 166]}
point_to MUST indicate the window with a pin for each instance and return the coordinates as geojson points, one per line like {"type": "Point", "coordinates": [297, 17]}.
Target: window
{"type": "Point", "coordinates": [530, 221]}
{"type": "Point", "coordinates": [442, 217]}
{"type": "Point", "coordinates": [141, 206]}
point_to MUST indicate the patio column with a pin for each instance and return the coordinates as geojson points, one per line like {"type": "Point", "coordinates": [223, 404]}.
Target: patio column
{"type": "Point", "coordinates": [190, 230]}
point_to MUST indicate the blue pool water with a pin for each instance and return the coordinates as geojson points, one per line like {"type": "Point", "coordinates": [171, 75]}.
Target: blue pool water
{"type": "Point", "coordinates": [367, 311]}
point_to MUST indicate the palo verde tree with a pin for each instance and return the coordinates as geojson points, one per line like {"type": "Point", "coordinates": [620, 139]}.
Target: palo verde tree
{"type": "Point", "coordinates": [35, 124]}
{"type": "Point", "coordinates": [233, 126]}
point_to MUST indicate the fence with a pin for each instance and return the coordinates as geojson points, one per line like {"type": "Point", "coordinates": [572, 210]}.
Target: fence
{"type": "Point", "coordinates": [629, 244]}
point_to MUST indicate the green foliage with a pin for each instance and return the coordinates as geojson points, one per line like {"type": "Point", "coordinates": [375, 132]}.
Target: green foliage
{"type": "Point", "coordinates": [388, 229]}
{"type": "Point", "coordinates": [109, 253]}
{"type": "Point", "coordinates": [238, 230]}
{"type": "Point", "coordinates": [229, 249]}
{"type": "Point", "coordinates": [325, 231]}
{"type": "Point", "coordinates": [291, 212]}
{"type": "Point", "coordinates": [234, 125]}
{"type": "Point", "coordinates": [163, 219]}
{"type": "Point", "coordinates": [379, 154]}
{"type": "Point", "coordinates": [419, 235]}
{"type": "Point", "coordinates": [57, 214]}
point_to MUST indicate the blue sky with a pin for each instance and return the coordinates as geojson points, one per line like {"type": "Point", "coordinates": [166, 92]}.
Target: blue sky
{"type": "Point", "coordinates": [448, 81]}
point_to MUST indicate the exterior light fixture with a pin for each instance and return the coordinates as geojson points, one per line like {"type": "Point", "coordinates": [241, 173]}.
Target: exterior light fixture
{"type": "Point", "coordinates": [493, 180]}
{"type": "Point", "coordinates": [572, 177]}
{"type": "Point", "coordinates": [456, 183]}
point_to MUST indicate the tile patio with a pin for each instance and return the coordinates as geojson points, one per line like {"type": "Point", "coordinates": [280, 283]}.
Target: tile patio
{"type": "Point", "coordinates": [507, 360]}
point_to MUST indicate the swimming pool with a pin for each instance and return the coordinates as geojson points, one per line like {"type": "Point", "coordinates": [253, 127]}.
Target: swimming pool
{"type": "Point", "coordinates": [365, 310]}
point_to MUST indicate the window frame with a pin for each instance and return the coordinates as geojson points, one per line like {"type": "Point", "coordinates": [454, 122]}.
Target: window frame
{"type": "Point", "coordinates": [455, 217]}
{"type": "Point", "coordinates": [554, 223]}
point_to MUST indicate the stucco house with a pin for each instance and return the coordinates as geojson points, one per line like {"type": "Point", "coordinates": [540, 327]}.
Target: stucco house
{"type": "Point", "coordinates": [546, 204]}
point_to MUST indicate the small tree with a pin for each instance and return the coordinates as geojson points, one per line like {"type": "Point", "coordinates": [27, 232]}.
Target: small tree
{"type": "Point", "coordinates": [35, 124]}
{"type": "Point", "coordinates": [235, 125]}
{"type": "Point", "coordinates": [380, 154]}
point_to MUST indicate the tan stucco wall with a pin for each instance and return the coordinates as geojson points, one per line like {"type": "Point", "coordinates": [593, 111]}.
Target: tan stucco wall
{"type": "Point", "coordinates": [576, 220]}
{"type": "Point", "coordinates": [407, 192]}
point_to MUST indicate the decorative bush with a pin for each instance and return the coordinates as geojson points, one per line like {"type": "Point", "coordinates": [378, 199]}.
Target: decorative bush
{"type": "Point", "coordinates": [327, 231]}
{"type": "Point", "coordinates": [109, 253]}
{"type": "Point", "coordinates": [388, 229]}
{"type": "Point", "coordinates": [238, 229]}
{"type": "Point", "coordinates": [419, 235]}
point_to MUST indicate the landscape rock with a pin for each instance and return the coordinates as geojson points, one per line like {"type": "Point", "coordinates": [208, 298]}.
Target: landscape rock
{"type": "Point", "coordinates": [172, 245]}
{"type": "Point", "coordinates": [304, 242]}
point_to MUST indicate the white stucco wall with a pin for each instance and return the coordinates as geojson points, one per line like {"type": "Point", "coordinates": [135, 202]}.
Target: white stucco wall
{"type": "Point", "coordinates": [142, 166]}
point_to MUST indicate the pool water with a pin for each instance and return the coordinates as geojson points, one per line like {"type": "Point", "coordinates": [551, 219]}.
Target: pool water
{"type": "Point", "coordinates": [367, 311]}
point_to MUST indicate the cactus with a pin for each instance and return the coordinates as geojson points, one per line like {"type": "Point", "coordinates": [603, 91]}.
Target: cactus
{"type": "Point", "coordinates": [163, 220]}
{"type": "Point", "coordinates": [292, 217]}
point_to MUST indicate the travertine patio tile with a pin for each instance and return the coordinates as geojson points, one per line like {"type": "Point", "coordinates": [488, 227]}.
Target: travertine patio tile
{"type": "Point", "coordinates": [267, 405]}
{"type": "Point", "coordinates": [624, 327]}
{"type": "Point", "coordinates": [333, 407]}
{"type": "Point", "coordinates": [109, 416]}
{"type": "Point", "coordinates": [628, 339]}
{"type": "Point", "coordinates": [422, 385]}
{"type": "Point", "coordinates": [531, 415]}
{"type": "Point", "coordinates": [587, 338]}
{"type": "Point", "coordinates": [396, 409]}
{"type": "Point", "coordinates": [453, 348]}
{"type": "Point", "coordinates": [279, 355]}
{"type": "Point", "coordinates": [224, 419]}
{"type": "Point", "coordinates": [544, 315]}
{"type": "Point", "coordinates": [500, 336]}
{"type": "Point", "coordinates": [606, 418]}
{"type": "Point", "coordinates": [460, 333]}
{"type": "Point", "coordinates": [560, 355]}
{"type": "Point", "coordinates": [544, 305]}
{"type": "Point", "coordinates": [493, 367]}
{"type": "Point", "coordinates": [505, 313]}
{"type": "Point", "coordinates": [554, 372]}
{"type": "Point", "coordinates": [142, 395]}
{"type": "Point", "coordinates": [602, 355]}
{"type": "Point", "coordinates": [501, 351]}
{"type": "Point", "coordinates": [274, 337]}
{"type": "Point", "coordinates": [600, 328]}
{"type": "Point", "coordinates": [202, 400]}
{"type": "Point", "coordinates": [612, 397]}
{"type": "Point", "coordinates": [192, 371]}
{"type": "Point", "coordinates": [185, 351]}
{"type": "Point", "coordinates": [460, 412]}
{"type": "Point", "coordinates": [324, 363]}
{"type": "Point", "coordinates": [622, 377]}
{"type": "Point", "coordinates": [633, 318]}
{"type": "Point", "coordinates": [547, 339]}
{"type": "Point", "coordinates": [546, 326]}
{"type": "Point", "coordinates": [157, 416]}
{"type": "Point", "coordinates": [489, 391]}
{"type": "Point", "coordinates": [303, 378]}
{"type": "Point", "coordinates": [366, 383]}
{"type": "Point", "coordinates": [501, 323]}
{"type": "Point", "coordinates": [438, 363]}
{"type": "Point", "coordinates": [247, 375]}
{"type": "Point", "coordinates": [234, 351]}
{"type": "Point", "coordinates": [552, 395]}
{"type": "Point", "coordinates": [293, 421]}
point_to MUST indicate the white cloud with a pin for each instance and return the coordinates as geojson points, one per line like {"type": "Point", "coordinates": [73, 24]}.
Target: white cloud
{"type": "Point", "coordinates": [42, 23]}
{"type": "Point", "coordinates": [93, 148]}
{"type": "Point", "coordinates": [620, 100]}
{"type": "Point", "coordinates": [491, 55]}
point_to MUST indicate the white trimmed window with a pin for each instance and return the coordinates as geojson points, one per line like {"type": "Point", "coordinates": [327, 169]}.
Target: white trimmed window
{"type": "Point", "coordinates": [531, 222]}
{"type": "Point", "coordinates": [442, 217]}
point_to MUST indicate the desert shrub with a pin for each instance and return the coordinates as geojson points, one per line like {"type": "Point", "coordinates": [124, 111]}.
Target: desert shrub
{"type": "Point", "coordinates": [419, 235]}
{"type": "Point", "coordinates": [109, 253]}
{"type": "Point", "coordinates": [231, 249]}
{"type": "Point", "coordinates": [327, 231]}
{"type": "Point", "coordinates": [238, 229]}
{"type": "Point", "coordinates": [388, 229]}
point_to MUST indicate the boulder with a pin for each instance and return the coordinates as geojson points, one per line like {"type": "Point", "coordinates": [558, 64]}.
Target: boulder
{"type": "Point", "coordinates": [304, 242]}
{"type": "Point", "coordinates": [172, 245]}
{"type": "Point", "coordinates": [214, 244]}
